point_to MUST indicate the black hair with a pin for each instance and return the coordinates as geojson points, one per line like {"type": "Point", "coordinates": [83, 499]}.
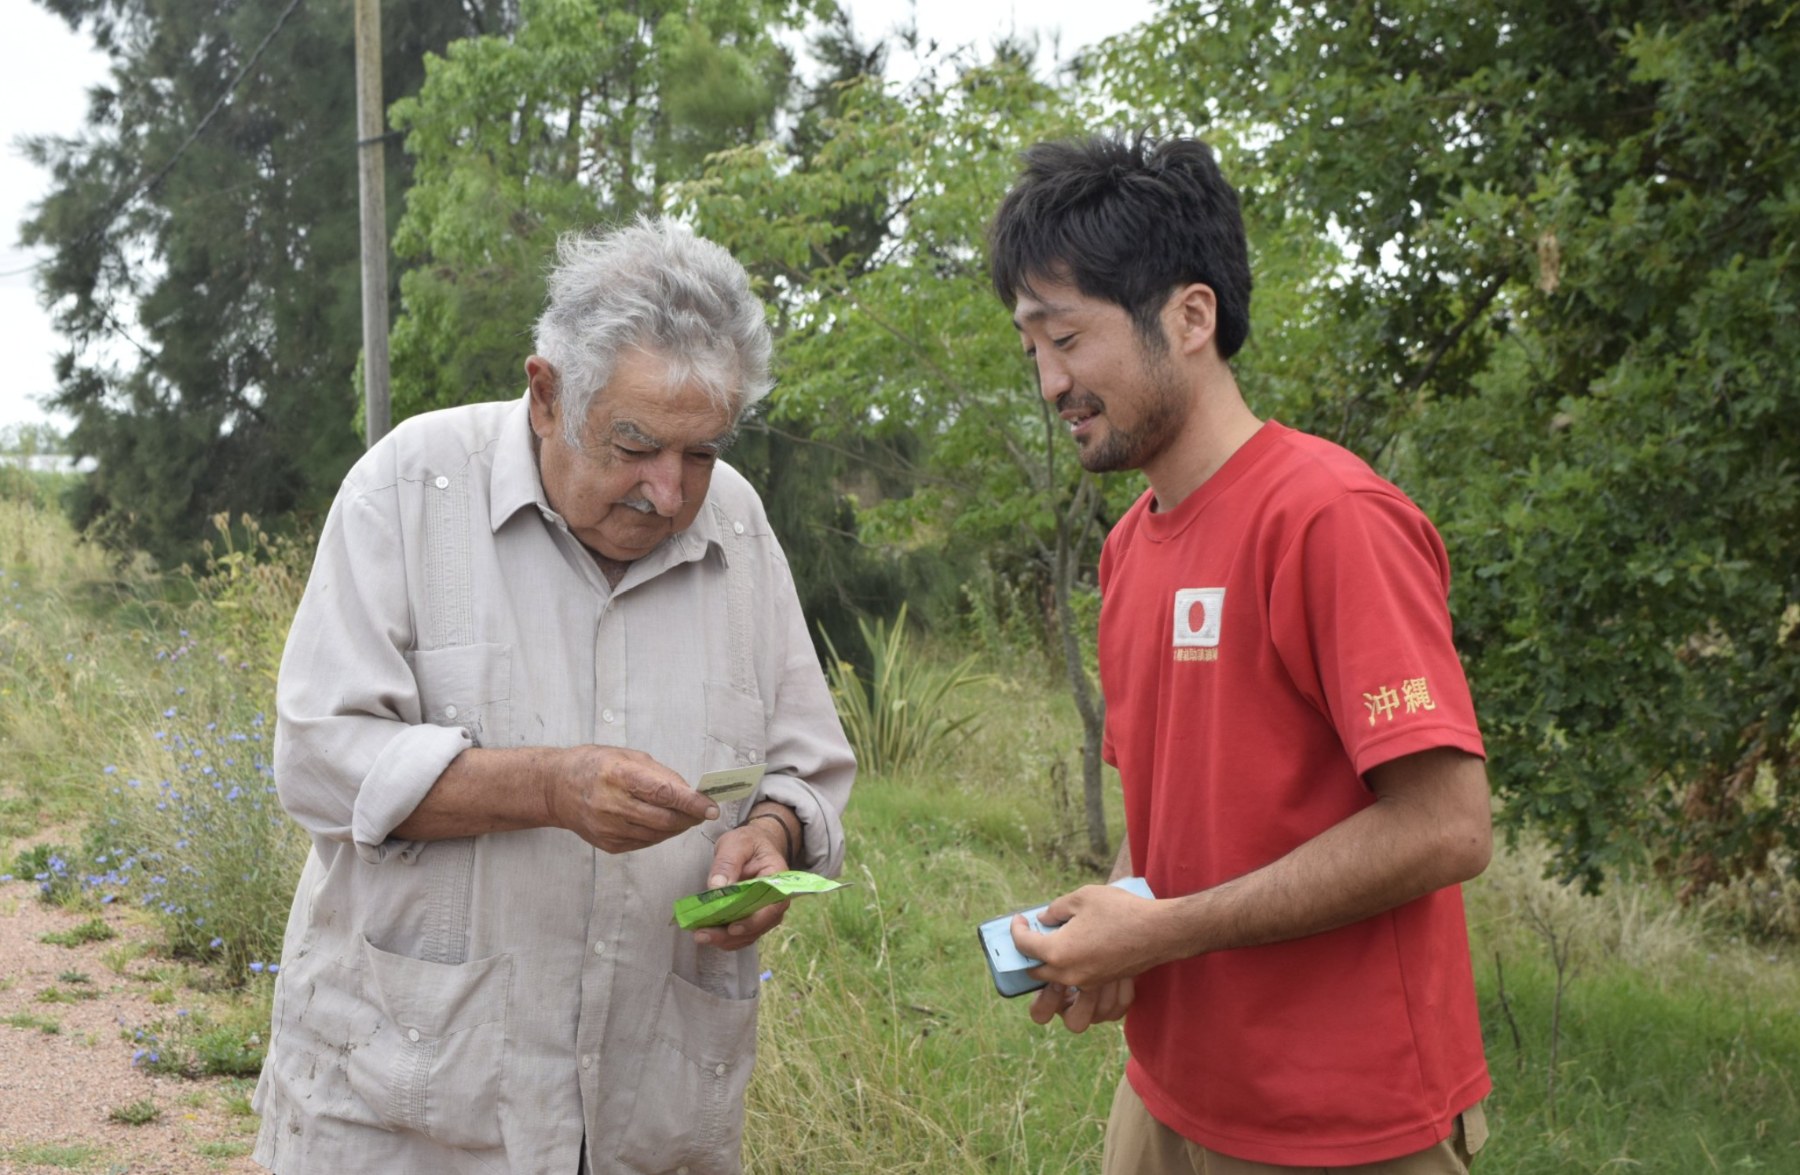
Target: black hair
{"type": "Point", "coordinates": [1126, 222]}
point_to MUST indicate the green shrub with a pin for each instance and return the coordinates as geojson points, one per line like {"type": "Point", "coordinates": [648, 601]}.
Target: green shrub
{"type": "Point", "coordinates": [139, 1113]}
{"type": "Point", "coordinates": [905, 711]}
{"type": "Point", "coordinates": [206, 847]}
{"type": "Point", "coordinates": [202, 1044]}
{"type": "Point", "coordinates": [93, 930]}
{"type": "Point", "coordinates": [58, 882]}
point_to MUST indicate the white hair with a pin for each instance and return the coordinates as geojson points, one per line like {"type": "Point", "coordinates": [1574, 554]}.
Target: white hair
{"type": "Point", "coordinates": [656, 286]}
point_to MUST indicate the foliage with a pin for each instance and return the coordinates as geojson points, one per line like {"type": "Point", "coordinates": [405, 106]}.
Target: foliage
{"type": "Point", "coordinates": [206, 848]}
{"type": "Point", "coordinates": [205, 256]}
{"type": "Point", "coordinates": [577, 116]}
{"type": "Point", "coordinates": [48, 865]}
{"type": "Point", "coordinates": [902, 716]}
{"type": "Point", "coordinates": [873, 252]}
{"type": "Point", "coordinates": [165, 726]}
{"type": "Point", "coordinates": [197, 1043]}
{"type": "Point", "coordinates": [1562, 313]}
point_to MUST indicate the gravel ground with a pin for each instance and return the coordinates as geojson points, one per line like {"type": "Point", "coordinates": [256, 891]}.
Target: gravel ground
{"type": "Point", "coordinates": [65, 1066]}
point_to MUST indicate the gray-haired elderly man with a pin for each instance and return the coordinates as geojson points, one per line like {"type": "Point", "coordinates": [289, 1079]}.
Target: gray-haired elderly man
{"type": "Point", "coordinates": [530, 626]}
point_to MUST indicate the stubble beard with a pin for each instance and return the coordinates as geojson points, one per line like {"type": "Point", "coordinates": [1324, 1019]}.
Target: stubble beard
{"type": "Point", "coordinates": [1165, 413]}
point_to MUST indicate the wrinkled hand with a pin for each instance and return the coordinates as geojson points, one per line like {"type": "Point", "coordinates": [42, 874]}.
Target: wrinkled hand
{"type": "Point", "coordinates": [618, 799]}
{"type": "Point", "coordinates": [1099, 944]}
{"type": "Point", "coordinates": [745, 852]}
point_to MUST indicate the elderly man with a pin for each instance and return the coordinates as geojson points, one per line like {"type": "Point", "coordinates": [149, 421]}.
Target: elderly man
{"type": "Point", "coordinates": [530, 626]}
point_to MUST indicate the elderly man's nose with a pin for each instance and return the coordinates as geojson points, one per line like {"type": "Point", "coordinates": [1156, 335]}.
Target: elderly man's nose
{"type": "Point", "coordinates": [662, 484]}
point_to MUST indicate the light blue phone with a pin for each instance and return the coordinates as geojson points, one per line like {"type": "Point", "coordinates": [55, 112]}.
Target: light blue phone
{"type": "Point", "coordinates": [1007, 964]}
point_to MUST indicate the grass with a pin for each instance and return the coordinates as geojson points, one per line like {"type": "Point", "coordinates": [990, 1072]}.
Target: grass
{"type": "Point", "coordinates": [30, 1021]}
{"type": "Point", "coordinates": [66, 1158]}
{"type": "Point", "coordinates": [93, 930]}
{"type": "Point", "coordinates": [139, 1113]}
{"type": "Point", "coordinates": [1624, 1032]}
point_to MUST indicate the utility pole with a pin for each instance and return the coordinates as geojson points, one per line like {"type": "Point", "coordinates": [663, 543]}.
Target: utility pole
{"type": "Point", "coordinates": [371, 174]}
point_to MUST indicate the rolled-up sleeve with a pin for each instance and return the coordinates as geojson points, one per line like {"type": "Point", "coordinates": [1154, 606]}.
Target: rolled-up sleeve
{"type": "Point", "coordinates": [811, 766]}
{"type": "Point", "coordinates": [352, 756]}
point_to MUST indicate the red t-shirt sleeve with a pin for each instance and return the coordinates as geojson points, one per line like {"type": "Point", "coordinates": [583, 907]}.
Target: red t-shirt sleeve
{"type": "Point", "coordinates": [1359, 614]}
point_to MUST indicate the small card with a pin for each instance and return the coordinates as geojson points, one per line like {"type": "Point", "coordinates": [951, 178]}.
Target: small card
{"type": "Point", "coordinates": [1007, 964]}
{"type": "Point", "coordinates": [732, 903]}
{"type": "Point", "coordinates": [732, 783]}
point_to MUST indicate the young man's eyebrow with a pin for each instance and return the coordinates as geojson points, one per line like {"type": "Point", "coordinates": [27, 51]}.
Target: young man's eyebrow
{"type": "Point", "coordinates": [1038, 313]}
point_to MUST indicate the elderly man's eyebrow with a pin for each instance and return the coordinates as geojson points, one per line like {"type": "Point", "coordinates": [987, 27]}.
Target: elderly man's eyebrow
{"type": "Point", "coordinates": [628, 430]}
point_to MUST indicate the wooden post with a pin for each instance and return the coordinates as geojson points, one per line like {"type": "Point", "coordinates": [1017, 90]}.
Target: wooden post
{"type": "Point", "coordinates": [371, 173]}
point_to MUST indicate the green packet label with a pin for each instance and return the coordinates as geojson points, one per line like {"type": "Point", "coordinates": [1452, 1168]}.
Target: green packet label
{"type": "Point", "coordinates": [729, 903]}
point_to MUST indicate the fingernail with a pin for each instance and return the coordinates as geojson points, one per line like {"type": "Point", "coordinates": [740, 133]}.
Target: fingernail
{"type": "Point", "coordinates": [712, 812]}
{"type": "Point", "coordinates": [715, 881]}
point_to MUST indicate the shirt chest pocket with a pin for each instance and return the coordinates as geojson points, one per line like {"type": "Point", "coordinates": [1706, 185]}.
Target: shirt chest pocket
{"type": "Point", "coordinates": [468, 686]}
{"type": "Point", "coordinates": [736, 736]}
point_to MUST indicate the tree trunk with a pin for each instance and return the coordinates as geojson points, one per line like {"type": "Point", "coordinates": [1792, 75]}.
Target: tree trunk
{"type": "Point", "coordinates": [1088, 704]}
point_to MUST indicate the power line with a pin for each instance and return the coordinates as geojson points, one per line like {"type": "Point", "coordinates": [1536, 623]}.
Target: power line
{"type": "Point", "coordinates": [162, 173]}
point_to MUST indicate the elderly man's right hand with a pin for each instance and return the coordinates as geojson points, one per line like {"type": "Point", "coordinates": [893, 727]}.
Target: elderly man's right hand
{"type": "Point", "coordinates": [619, 799]}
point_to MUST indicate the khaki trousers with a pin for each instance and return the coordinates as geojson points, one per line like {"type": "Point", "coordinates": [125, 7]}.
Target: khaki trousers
{"type": "Point", "coordinates": [1138, 1144]}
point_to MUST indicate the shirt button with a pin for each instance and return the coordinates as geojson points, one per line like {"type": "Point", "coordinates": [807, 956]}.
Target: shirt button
{"type": "Point", "coordinates": [737, 528]}
{"type": "Point", "coordinates": [719, 1069]}
{"type": "Point", "coordinates": [606, 715]}
{"type": "Point", "coordinates": [587, 1062]}
{"type": "Point", "coordinates": [412, 1034]}
{"type": "Point", "coordinates": [599, 948]}
{"type": "Point", "coordinates": [449, 711]}
{"type": "Point", "coordinates": [442, 483]}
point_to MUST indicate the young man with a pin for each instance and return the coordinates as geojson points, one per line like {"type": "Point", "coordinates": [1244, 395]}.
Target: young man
{"type": "Point", "coordinates": [1304, 787]}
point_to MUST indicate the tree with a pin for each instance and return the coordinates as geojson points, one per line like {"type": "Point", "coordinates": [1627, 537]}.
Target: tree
{"type": "Point", "coordinates": [205, 255]}
{"type": "Point", "coordinates": [903, 345]}
{"type": "Point", "coordinates": [578, 117]}
{"type": "Point", "coordinates": [1563, 316]}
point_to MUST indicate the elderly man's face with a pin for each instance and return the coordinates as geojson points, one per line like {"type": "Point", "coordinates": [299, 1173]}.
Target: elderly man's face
{"type": "Point", "coordinates": [646, 458]}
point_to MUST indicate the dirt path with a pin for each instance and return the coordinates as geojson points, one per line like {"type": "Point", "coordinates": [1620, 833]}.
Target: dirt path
{"type": "Point", "coordinates": [68, 1015]}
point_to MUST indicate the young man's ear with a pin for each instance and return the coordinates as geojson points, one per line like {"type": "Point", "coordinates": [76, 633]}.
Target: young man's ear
{"type": "Point", "coordinates": [1192, 318]}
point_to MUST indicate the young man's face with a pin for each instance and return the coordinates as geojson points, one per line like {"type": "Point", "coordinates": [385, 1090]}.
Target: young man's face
{"type": "Point", "coordinates": [646, 459]}
{"type": "Point", "coordinates": [1121, 397]}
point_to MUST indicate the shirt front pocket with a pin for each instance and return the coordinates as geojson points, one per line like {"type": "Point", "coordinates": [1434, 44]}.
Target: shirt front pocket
{"type": "Point", "coordinates": [689, 1110]}
{"type": "Point", "coordinates": [468, 686]}
{"type": "Point", "coordinates": [735, 735]}
{"type": "Point", "coordinates": [433, 1061]}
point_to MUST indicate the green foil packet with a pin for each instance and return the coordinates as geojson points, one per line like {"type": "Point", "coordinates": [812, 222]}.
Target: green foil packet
{"type": "Point", "coordinates": [730, 903]}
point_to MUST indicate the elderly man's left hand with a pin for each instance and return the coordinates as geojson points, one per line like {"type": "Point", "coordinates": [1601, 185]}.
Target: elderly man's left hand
{"type": "Point", "coordinates": [755, 848]}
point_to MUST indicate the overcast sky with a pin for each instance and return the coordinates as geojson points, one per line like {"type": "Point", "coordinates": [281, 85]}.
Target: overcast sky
{"type": "Point", "coordinates": [45, 73]}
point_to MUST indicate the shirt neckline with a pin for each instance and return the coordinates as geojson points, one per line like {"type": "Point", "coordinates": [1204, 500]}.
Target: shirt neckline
{"type": "Point", "coordinates": [1162, 526]}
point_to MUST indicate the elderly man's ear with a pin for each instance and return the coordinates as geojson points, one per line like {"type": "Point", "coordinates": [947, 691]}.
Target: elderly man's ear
{"type": "Point", "coordinates": [541, 379]}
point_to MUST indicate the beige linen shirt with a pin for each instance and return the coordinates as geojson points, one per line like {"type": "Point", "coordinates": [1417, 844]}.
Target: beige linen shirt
{"type": "Point", "coordinates": [478, 1005]}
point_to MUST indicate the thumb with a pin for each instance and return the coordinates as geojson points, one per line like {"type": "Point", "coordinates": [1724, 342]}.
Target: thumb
{"type": "Point", "coordinates": [729, 858]}
{"type": "Point", "coordinates": [1029, 941]}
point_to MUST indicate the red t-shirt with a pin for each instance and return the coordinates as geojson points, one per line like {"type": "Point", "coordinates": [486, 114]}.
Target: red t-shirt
{"type": "Point", "coordinates": [1263, 645]}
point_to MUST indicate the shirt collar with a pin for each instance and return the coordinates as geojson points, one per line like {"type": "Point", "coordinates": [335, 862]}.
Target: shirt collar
{"type": "Point", "coordinates": [516, 484]}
